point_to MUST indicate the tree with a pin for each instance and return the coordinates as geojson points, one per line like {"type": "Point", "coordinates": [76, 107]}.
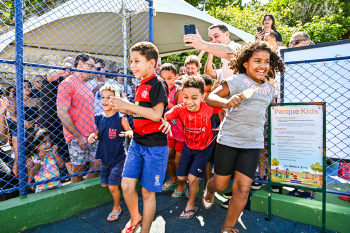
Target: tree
{"type": "Point", "coordinates": [317, 167]}
{"type": "Point", "coordinates": [275, 162]}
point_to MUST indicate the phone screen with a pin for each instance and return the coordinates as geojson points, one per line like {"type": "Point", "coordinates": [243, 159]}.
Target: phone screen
{"type": "Point", "coordinates": [190, 29]}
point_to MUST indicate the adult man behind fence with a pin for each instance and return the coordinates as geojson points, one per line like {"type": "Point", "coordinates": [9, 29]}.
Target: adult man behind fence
{"type": "Point", "coordinates": [75, 108]}
{"type": "Point", "coordinates": [48, 114]}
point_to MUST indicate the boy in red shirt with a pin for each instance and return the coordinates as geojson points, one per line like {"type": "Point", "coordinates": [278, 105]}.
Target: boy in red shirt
{"type": "Point", "coordinates": [148, 152]}
{"type": "Point", "coordinates": [195, 116]}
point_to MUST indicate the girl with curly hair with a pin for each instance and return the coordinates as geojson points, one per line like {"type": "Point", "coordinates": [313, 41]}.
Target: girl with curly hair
{"type": "Point", "coordinates": [241, 133]}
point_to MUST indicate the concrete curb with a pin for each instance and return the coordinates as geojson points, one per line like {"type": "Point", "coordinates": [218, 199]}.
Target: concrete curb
{"type": "Point", "coordinates": [21, 214]}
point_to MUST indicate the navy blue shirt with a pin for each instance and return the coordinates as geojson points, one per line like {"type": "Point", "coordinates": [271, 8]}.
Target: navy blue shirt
{"type": "Point", "coordinates": [110, 146]}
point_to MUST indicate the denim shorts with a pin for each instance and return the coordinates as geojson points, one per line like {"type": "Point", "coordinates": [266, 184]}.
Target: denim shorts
{"type": "Point", "coordinates": [79, 156]}
{"type": "Point", "coordinates": [194, 162]}
{"type": "Point", "coordinates": [111, 174]}
{"type": "Point", "coordinates": [148, 164]}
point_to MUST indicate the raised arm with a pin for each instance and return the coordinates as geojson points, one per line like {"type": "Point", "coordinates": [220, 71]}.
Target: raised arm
{"type": "Point", "coordinates": [218, 50]}
{"type": "Point", "coordinates": [208, 68]}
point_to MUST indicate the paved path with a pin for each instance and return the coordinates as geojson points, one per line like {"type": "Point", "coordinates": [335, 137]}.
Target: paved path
{"type": "Point", "coordinates": [167, 220]}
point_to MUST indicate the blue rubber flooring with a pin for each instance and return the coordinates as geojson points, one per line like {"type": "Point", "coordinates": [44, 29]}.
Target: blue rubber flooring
{"type": "Point", "coordinates": [167, 220]}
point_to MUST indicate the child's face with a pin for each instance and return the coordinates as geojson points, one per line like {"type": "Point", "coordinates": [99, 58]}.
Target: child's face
{"type": "Point", "coordinates": [192, 98]}
{"type": "Point", "coordinates": [169, 77]}
{"type": "Point", "coordinates": [105, 96]}
{"type": "Point", "coordinates": [207, 91]}
{"type": "Point", "coordinates": [44, 146]}
{"type": "Point", "coordinates": [258, 65]}
{"type": "Point", "coordinates": [139, 65]}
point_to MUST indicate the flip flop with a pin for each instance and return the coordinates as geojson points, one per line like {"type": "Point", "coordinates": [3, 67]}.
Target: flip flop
{"type": "Point", "coordinates": [131, 229]}
{"type": "Point", "coordinates": [112, 215]}
{"type": "Point", "coordinates": [183, 191]}
{"type": "Point", "coordinates": [188, 211]}
{"type": "Point", "coordinates": [169, 186]}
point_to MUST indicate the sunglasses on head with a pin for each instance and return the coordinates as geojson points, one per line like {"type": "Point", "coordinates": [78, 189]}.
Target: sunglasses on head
{"type": "Point", "coordinates": [295, 42]}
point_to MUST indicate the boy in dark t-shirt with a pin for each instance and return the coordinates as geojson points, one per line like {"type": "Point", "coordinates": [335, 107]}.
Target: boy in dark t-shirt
{"type": "Point", "coordinates": [148, 152]}
{"type": "Point", "coordinates": [111, 128]}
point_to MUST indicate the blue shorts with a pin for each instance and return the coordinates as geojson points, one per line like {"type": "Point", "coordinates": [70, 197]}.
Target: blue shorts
{"type": "Point", "coordinates": [111, 174]}
{"type": "Point", "coordinates": [148, 164]}
{"type": "Point", "coordinates": [194, 162]}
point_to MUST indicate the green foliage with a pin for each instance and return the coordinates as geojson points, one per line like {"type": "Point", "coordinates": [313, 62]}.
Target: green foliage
{"type": "Point", "coordinates": [275, 162]}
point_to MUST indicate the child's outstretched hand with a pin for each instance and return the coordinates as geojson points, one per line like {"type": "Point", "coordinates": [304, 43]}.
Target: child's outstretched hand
{"type": "Point", "coordinates": [234, 101]}
{"type": "Point", "coordinates": [128, 133]}
{"type": "Point", "coordinates": [92, 138]}
{"type": "Point", "coordinates": [166, 127]}
{"type": "Point", "coordinates": [119, 103]}
{"type": "Point", "coordinates": [55, 148]}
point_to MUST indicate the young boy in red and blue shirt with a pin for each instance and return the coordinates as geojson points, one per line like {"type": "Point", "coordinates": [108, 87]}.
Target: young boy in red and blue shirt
{"type": "Point", "coordinates": [194, 115]}
{"type": "Point", "coordinates": [148, 152]}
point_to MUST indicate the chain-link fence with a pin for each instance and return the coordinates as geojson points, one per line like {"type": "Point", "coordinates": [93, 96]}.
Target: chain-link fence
{"type": "Point", "coordinates": [42, 44]}
{"type": "Point", "coordinates": [324, 80]}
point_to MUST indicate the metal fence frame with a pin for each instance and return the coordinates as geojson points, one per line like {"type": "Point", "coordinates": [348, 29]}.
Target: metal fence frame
{"type": "Point", "coordinates": [19, 62]}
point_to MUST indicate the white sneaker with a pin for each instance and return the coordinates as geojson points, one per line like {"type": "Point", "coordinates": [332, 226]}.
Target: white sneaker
{"type": "Point", "coordinates": [208, 198]}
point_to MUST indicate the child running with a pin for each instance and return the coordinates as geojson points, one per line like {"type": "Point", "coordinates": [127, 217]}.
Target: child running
{"type": "Point", "coordinates": [241, 134]}
{"type": "Point", "coordinates": [45, 160]}
{"type": "Point", "coordinates": [195, 116]}
{"type": "Point", "coordinates": [112, 126]}
{"type": "Point", "coordinates": [177, 140]}
{"type": "Point", "coordinates": [148, 152]}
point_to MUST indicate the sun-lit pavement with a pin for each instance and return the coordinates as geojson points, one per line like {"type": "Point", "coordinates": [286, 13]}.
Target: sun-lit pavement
{"type": "Point", "coordinates": [167, 220]}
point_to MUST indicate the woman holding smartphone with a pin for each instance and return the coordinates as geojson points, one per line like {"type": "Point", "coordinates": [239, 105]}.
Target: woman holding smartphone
{"type": "Point", "coordinates": [268, 25]}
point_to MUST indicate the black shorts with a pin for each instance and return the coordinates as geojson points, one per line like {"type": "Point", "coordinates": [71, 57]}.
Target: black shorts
{"type": "Point", "coordinates": [229, 159]}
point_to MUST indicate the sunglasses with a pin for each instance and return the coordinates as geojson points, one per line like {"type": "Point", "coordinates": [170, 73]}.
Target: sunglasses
{"type": "Point", "coordinates": [99, 68]}
{"type": "Point", "coordinates": [295, 42]}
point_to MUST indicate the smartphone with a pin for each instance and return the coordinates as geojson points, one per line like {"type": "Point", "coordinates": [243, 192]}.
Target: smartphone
{"type": "Point", "coordinates": [259, 29]}
{"type": "Point", "coordinates": [190, 29]}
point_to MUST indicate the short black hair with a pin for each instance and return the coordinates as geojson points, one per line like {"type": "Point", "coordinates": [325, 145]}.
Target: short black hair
{"type": "Point", "coordinates": [168, 67]}
{"type": "Point", "coordinates": [146, 49]}
{"type": "Point", "coordinates": [101, 61]}
{"type": "Point", "coordinates": [84, 57]}
{"type": "Point", "coordinates": [272, 35]}
{"type": "Point", "coordinates": [194, 81]}
{"type": "Point", "coordinates": [207, 79]}
{"type": "Point", "coordinates": [221, 27]}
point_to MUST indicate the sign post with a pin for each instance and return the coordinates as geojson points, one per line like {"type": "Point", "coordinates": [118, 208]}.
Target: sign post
{"type": "Point", "coordinates": [297, 149]}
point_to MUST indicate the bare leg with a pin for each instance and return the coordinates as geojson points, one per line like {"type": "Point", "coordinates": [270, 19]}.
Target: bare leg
{"type": "Point", "coordinates": [149, 209]}
{"type": "Point", "coordinates": [94, 165]}
{"type": "Point", "coordinates": [114, 189]}
{"type": "Point", "coordinates": [207, 173]}
{"type": "Point", "coordinates": [77, 169]}
{"type": "Point", "coordinates": [182, 184]}
{"type": "Point", "coordinates": [194, 187]}
{"type": "Point", "coordinates": [240, 192]}
{"type": "Point", "coordinates": [171, 168]}
{"type": "Point", "coordinates": [131, 199]}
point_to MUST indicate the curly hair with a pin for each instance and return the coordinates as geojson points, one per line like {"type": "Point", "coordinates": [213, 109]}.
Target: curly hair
{"type": "Point", "coordinates": [242, 55]}
{"type": "Point", "coordinates": [194, 81]}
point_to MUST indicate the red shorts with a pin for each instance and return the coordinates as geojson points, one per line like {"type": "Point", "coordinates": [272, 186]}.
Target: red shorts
{"type": "Point", "coordinates": [172, 143]}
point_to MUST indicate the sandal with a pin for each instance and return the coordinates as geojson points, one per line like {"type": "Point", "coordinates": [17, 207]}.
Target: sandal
{"type": "Point", "coordinates": [168, 186]}
{"type": "Point", "coordinates": [176, 192]}
{"type": "Point", "coordinates": [131, 229]}
{"type": "Point", "coordinates": [208, 198]}
{"type": "Point", "coordinates": [344, 197]}
{"type": "Point", "coordinates": [189, 211]}
{"type": "Point", "coordinates": [229, 230]}
{"type": "Point", "coordinates": [112, 215]}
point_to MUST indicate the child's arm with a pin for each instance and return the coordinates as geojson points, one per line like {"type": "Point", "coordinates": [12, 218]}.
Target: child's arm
{"type": "Point", "coordinates": [217, 99]}
{"type": "Point", "coordinates": [60, 161]}
{"type": "Point", "coordinates": [128, 132]}
{"type": "Point", "coordinates": [93, 137]}
{"type": "Point", "coordinates": [153, 114]}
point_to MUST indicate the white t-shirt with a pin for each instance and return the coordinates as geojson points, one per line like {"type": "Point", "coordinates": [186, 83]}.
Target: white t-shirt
{"type": "Point", "coordinates": [227, 72]}
{"type": "Point", "coordinates": [219, 75]}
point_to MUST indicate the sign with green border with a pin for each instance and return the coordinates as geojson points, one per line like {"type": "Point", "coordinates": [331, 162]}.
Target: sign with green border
{"type": "Point", "coordinates": [297, 148]}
